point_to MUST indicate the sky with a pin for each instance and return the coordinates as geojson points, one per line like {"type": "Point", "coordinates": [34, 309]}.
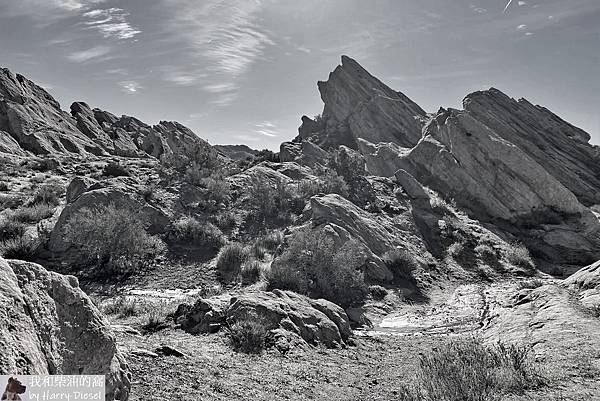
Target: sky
{"type": "Point", "coordinates": [245, 71]}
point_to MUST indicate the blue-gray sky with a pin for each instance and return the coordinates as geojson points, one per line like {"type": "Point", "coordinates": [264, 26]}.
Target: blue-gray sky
{"type": "Point", "coordinates": [244, 71]}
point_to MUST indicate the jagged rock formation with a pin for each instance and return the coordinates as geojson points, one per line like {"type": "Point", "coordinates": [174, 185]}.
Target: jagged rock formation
{"type": "Point", "coordinates": [33, 120]}
{"type": "Point", "coordinates": [51, 327]}
{"type": "Point", "coordinates": [236, 152]}
{"type": "Point", "coordinates": [507, 162]}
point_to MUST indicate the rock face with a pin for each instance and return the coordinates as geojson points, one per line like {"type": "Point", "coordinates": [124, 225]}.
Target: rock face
{"type": "Point", "coordinates": [559, 147]}
{"type": "Point", "coordinates": [587, 282]}
{"type": "Point", "coordinates": [358, 105]}
{"type": "Point", "coordinates": [51, 327]}
{"type": "Point", "coordinates": [33, 120]}
{"type": "Point", "coordinates": [283, 313]}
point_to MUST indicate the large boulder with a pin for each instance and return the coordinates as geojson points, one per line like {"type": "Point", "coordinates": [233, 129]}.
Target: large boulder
{"type": "Point", "coordinates": [282, 312]}
{"type": "Point", "coordinates": [49, 326]}
{"type": "Point", "coordinates": [586, 281]}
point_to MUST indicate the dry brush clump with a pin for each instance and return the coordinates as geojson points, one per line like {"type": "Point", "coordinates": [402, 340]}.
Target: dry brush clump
{"type": "Point", "coordinates": [400, 263]}
{"type": "Point", "coordinates": [230, 260]}
{"type": "Point", "coordinates": [518, 255]}
{"type": "Point", "coordinates": [469, 370]}
{"type": "Point", "coordinates": [248, 335]}
{"type": "Point", "coordinates": [191, 231]}
{"type": "Point", "coordinates": [311, 265]}
{"type": "Point", "coordinates": [112, 240]}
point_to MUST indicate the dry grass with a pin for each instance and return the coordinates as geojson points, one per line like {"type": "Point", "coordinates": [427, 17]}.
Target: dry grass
{"type": "Point", "coordinates": [468, 370]}
{"type": "Point", "coordinates": [248, 335]}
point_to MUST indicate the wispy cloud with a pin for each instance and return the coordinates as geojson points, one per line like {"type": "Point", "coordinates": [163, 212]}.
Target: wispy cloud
{"type": "Point", "coordinates": [111, 22]}
{"type": "Point", "coordinates": [130, 87]}
{"type": "Point", "coordinates": [224, 40]}
{"type": "Point", "coordinates": [89, 54]}
{"type": "Point", "coordinates": [266, 128]}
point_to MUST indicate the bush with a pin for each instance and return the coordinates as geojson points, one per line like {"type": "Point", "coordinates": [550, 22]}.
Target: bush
{"type": "Point", "coordinates": [486, 253]}
{"type": "Point", "coordinates": [11, 201]}
{"type": "Point", "coordinates": [530, 284]}
{"type": "Point", "coordinates": [33, 214]}
{"type": "Point", "coordinates": [225, 219]}
{"type": "Point", "coordinates": [218, 189]}
{"type": "Point", "coordinates": [248, 335]}
{"type": "Point", "coordinates": [156, 319]}
{"type": "Point", "coordinates": [192, 163]}
{"type": "Point", "coordinates": [18, 248]}
{"type": "Point", "coordinates": [378, 292]}
{"type": "Point", "coordinates": [122, 307]}
{"type": "Point", "coordinates": [112, 239]}
{"type": "Point", "coordinates": [312, 266]}
{"type": "Point", "coordinates": [250, 273]}
{"type": "Point", "coordinates": [49, 193]}
{"type": "Point", "coordinates": [267, 200]}
{"type": "Point", "coordinates": [3, 187]}
{"type": "Point", "coordinates": [401, 263]}
{"type": "Point", "coordinates": [10, 229]}
{"type": "Point", "coordinates": [113, 169]}
{"type": "Point", "coordinates": [470, 371]}
{"type": "Point", "coordinates": [188, 229]}
{"type": "Point", "coordinates": [518, 255]}
{"type": "Point", "coordinates": [230, 261]}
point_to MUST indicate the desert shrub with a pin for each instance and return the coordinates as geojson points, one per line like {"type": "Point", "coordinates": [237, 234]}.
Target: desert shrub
{"type": "Point", "coordinates": [38, 178]}
{"type": "Point", "coordinates": [156, 318]}
{"type": "Point", "coordinates": [113, 169]}
{"type": "Point", "coordinates": [530, 284]}
{"type": "Point", "coordinates": [350, 165]}
{"type": "Point", "coordinates": [44, 165]}
{"type": "Point", "coordinates": [33, 214]}
{"type": "Point", "coordinates": [312, 266]}
{"type": "Point", "coordinates": [468, 370]}
{"type": "Point", "coordinates": [3, 187]}
{"type": "Point", "coordinates": [230, 260]}
{"type": "Point", "coordinates": [18, 248]}
{"type": "Point", "coordinates": [112, 239]}
{"type": "Point", "coordinates": [269, 201]}
{"type": "Point", "coordinates": [193, 163]}
{"type": "Point", "coordinates": [463, 253]}
{"type": "Point", "coordinates": [401, 263]}
{"type": "Point", "coordinates": [248, 335]}
{"type": "Point", "coordinates": [149, 192]}
{"type": "Point", "coordinates": [225, 219]}
{"type": "Point", "coordinates": [328, 182]}
{"type": "Point", "coordinates": [49, 193]}
{"type": "Point", "coordinates": [122, 307]}
{"type": "Point", "coordinates": [218, 189]}
{"type": "Point", "coordinates": [378, 292]}
{"type": "Point", "coordinates": [270, 241]}
{"type": "Point", "coordinates": [518, 255]}
{"type": "Point", "coordinates": [250, 272]}
{"type": "Point", "coordinates": [10, 229]}
{"type": "Point", "coordinates": [487, 253]}
{"type": "Point", "coordinates": [190, 230]}
{"type": "Point", "coordinates": [11, 201]}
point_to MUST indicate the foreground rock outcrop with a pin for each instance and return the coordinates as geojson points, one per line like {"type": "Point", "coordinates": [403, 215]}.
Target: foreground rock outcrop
{"type": "Point", "coordinates": [51, 327]}
{"type": "Point", "coordinates": [287, 316]}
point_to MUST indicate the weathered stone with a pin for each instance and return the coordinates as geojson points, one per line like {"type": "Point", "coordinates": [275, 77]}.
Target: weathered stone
{"type": "Point", "coordinates": [51, 327]}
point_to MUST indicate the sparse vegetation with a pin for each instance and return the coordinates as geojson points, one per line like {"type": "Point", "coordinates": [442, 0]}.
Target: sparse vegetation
{"type": "Point", "coordinates": [518, 255]}
{"type": "Point", "coordinates": [378, 292]}
{"type": "Point", "coordinates": [468, 370]}
{"type": "Point", "coordinates": [230, 261]}
{"type": "Point", "coordinates": [401, 263]}
{"type": "Point", "coordinates": [189, 230]}
{"type": "Point", "coordinates": [312, 266]}
{"type": "Point", "coordinates": [112, 239]}
{"type": "Point", "coordinates": [270, 200]}
{"type": "Point", "coordinates": [18, 248]}
{"type": "Point", "coordinates": [530, 284]}
{"type": "Point", "coordinates": [486, 253]}
{"type": "Point", "coordinates": [4, 187]}
{"type": "Point", "coordinates": [10, 229]}
{"type": "Point", "coordinates": [251, 272]}
{"type": "Point", "coordinates": [50, 193]}
{"type": "Point", "coordinates": [248, 335]}
{"type": "Point", "coordinates": [33, 214]}
{"type": "Point", "coordinates": [122, 307]}
{"type": "Point", "coordinates": [156, 319]}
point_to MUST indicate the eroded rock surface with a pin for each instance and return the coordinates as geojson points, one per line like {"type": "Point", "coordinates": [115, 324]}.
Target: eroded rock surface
{"type": "Point", "coordinates": [51, 327]}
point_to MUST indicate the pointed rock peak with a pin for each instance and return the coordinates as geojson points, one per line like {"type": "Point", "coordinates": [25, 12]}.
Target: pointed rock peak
{"type": "Point", "coordinates": [491, 94]}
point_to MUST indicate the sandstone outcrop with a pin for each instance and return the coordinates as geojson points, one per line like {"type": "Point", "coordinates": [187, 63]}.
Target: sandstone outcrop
{"type": "Point", "coordinates": [358, 105]}
{"type": "Point", "coordinates": [51, 327]}
{"type": "Point", "coordinates": [496, 181]}
{"type": "Point", "coordinates": [283, 313]}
